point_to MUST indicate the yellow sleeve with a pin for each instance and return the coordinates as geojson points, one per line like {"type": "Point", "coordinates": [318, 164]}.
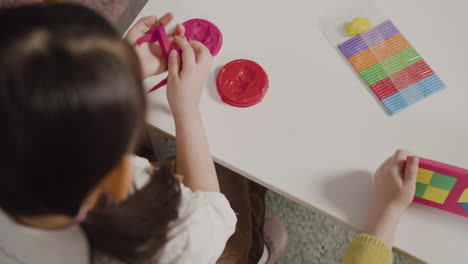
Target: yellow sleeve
{"type": "Point", "coordinates": [366, 249]}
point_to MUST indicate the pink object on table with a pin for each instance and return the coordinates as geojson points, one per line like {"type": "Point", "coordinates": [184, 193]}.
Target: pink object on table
{"type": "Point", "coordinates": [159, 85]}
{"type": "Point", "coordinates": [442, 186]}
{"type": "Point", "coordinates": [195, 29]}
{"type": "Point", "coordinates": [205, 32]}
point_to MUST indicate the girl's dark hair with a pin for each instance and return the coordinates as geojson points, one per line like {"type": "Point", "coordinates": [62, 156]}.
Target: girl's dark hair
{"type": "Point", "coordinates": [141, 220]}
{"type": "Point", "coordinates": [72, 104]}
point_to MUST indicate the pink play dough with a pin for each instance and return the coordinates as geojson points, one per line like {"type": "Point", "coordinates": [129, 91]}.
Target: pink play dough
{"type": "Point", "coordinates": [205, 32]}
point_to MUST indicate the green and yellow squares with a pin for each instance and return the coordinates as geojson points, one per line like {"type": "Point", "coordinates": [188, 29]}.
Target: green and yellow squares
{"type": "Point", "coordinates": [434, 186]}
{"type": "Point", "coordinates": [463, 200]}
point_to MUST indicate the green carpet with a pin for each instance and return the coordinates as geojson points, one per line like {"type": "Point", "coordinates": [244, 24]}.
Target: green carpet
{"type": "Point", "coordinates": [313, 238]}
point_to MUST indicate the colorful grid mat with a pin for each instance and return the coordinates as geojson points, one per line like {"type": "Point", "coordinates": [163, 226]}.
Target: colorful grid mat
{"type": "Point", "coordinates": [392, 68]}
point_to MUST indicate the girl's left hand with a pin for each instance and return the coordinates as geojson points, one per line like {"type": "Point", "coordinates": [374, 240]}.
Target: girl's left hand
{"type": "Point", "coordinates": [395, 181]}
{"type": "Point", "coordinates": [150, 54]}
{"type": "Point", "coordinates": [395, 185]}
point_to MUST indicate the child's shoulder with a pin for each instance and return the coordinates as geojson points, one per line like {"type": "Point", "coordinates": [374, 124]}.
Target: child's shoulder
{"type": "Point", "coordinates": [205, 221]}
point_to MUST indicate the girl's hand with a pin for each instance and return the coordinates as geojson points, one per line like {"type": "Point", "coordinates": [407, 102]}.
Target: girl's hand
{"type": "Point", "coordinates": [395, 182]}
{"type": "Point", "coordinates": [187, 77]}
{"type": "Point", "coordinates": [150, 54]}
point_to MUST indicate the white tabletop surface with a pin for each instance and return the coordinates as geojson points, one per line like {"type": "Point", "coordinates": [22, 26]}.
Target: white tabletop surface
{"type": "Point", "coordinates": [319, 133]}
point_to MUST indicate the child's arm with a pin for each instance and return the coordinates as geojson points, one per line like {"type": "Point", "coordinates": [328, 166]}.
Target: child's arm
{"type": "Point", "coordinates": [395, 185]}
{"type": "Point", "coordinates": [187, 76]}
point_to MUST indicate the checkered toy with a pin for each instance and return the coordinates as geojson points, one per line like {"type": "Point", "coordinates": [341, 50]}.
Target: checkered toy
{"type": "Point", "coordinates": [392, 68]}
{"type": "Point", "coordinates": [442, 186]}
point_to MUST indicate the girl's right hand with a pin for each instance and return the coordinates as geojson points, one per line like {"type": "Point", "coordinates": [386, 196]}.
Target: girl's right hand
{"type": "Point", "coordinates": [187, 76]}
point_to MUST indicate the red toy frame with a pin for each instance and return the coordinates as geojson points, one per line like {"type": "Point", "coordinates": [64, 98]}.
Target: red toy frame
{"type": "Point", "coordinates": [451, 203]}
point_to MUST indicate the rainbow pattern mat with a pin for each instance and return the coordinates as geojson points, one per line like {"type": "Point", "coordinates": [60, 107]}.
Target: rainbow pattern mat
{"type": "Point", "coordinates": [392, 68]}
{"type": "Point", "coordinates": [442, 186]}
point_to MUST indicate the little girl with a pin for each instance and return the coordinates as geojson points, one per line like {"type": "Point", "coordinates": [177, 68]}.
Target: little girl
{"type": "Point", "coordinates": [395, 183]}
{"type": "Point", "coordinates": [72, 109]}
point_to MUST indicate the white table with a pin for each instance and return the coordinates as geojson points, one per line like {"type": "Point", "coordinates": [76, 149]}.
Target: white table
{"type": "Point", "coordinates": [319, 133]}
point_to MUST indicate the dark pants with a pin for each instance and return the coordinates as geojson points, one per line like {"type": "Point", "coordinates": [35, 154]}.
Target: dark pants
{"type": "Point", "coordinates": [248, 201]}
{"type": "Point", "coordinates": [247, 198]}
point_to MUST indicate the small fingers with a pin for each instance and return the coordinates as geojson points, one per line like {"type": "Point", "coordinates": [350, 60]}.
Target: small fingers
{"type": "Point", "coordinates": [399, 159]}
{"type": "Point", "coordinates": [179, 30]}
{"type": "Point", "coordinates": [166, 19]}
{"type": "Point", "coordinates": [411, 170]}
{"type": "Point", "coordinates": [202, 52]}
{"type": "Point", "coordinates": [387, 161]}
{"type": "Point", "coordinates": [383, 166]}
{"type": "Point", "coordinates": [140, 28]}
{"type": "Point", "coordinates": [173, 64]}
{"type": "Point", "coordinates": [188, 55]}
{"type": "Point", "coordinates": [401, 154]}
{"type": "Point", "coordinates": [146, 22]}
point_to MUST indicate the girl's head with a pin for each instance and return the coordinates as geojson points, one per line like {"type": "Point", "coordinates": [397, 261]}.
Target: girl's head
{"type": "Point", "coordinates": [71, 109]}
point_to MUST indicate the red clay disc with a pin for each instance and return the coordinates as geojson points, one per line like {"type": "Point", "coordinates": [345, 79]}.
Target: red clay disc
{"type": "Point", "coordinates": [242, 83]}
{"type": "Point", "coordinates": [205, 32]}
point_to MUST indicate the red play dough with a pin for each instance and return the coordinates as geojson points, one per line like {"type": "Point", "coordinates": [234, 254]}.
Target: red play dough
{"type": "Point", "coordinates": [242, 83]}
{"type": "Point", "coordinates": [205, 32]}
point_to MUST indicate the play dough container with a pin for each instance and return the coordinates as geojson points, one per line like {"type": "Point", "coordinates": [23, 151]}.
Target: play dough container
{"type": "Point", "coordinates": [242, 83]}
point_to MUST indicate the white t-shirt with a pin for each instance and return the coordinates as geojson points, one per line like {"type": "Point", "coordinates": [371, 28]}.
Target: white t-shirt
{"type": "Point", "coordinates": [199, 235]}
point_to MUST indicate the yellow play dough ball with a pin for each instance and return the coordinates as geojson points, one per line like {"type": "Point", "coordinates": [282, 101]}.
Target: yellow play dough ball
{"type": "Point", "coordinates": [358, 25]}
